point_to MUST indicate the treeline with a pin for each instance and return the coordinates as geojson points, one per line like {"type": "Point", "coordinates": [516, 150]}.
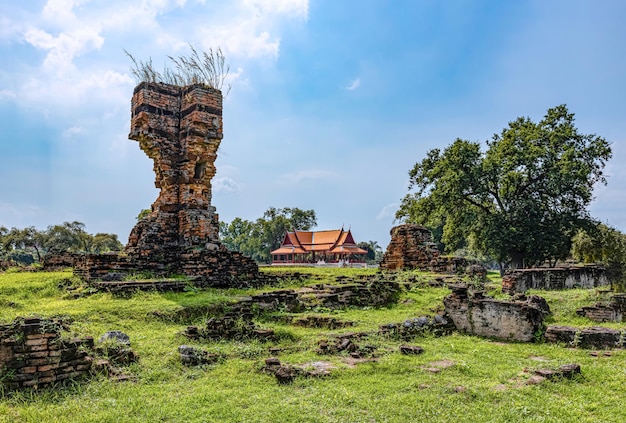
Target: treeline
{"type": "Point", "coordinates": [601, 243]}
{"type": "Point", "coordinates": [256, 239]}
{"type": "Point", "coordinates": [29, 245]}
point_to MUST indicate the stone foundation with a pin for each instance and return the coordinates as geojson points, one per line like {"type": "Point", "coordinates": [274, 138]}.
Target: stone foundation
{"type": "Point", "coordinates": [220, 269]}
{"type": "Point", "coordinates": [33, 354]}
{"type": "Point", "coordinates": [507, 320]}
{"type": "Point", "coordinates": [521, 280]}
{"type": "Point", "coordinates": [593, 337]}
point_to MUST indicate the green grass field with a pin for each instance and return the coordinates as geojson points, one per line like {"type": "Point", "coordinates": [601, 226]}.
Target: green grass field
{"type": "Point", "coordinates": [479, 380]}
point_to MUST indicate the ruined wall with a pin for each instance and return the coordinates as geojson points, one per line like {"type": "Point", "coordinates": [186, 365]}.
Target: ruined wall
{"type": "Point", "coordinates": [410, 248]}
{"type": "Point", "coordinates": [59, 261]}
{"type": "Point", "coordinates": [180, 129]}
{"type": "Point", "coordinates": [32, 353]}
{"type": "Point", "coordinates": [217, 268]}
{"type": "Point", "coordinates": [483, 316]}
{"type": "Point", "coordinates": [613, 311]}
{"type": "Point", "coordinates": [593, 337]}
{"type": "Point", "coordinates": [521, 280]}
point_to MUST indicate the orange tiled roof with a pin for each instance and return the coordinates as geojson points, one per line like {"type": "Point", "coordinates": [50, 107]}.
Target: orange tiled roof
{"type": "Point", "coordinates": [331, 241]}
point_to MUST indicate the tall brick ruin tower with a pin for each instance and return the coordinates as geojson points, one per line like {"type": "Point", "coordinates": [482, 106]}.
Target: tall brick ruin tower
{"type": "Point", "coordinates": [180, 129]}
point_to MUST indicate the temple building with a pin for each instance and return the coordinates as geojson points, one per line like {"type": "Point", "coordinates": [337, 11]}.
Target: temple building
{"type": "Point", "coordinates": [334, 248]}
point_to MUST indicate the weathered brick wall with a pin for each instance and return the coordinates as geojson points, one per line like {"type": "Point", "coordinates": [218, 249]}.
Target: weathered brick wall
{"type": "Point", "coordinates": [483, 316]}
{"type": "Point", "coordinates": [32, 353]}
{"type": "Point", "coordinates": [521, 280]}
{"type": "Point", "coordinates": [206, 268]}
{"type": "Point", "coordinates": [409, 248]}
{"type": "Point", "coordinates": [613, 311]}
{"type": "Point", "coordinates": [59, 261]}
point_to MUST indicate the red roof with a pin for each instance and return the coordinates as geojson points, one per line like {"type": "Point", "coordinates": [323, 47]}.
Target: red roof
{"type": "Point", "coordinates": [334, 241]}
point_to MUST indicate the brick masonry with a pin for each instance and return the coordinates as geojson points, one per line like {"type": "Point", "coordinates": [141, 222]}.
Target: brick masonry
{"type": "Point", "coordinates": [33, 354]}
{"type": "Point", "coordinates": [180, 129]}
{"type": "Point", "coordinates": [412, 247]}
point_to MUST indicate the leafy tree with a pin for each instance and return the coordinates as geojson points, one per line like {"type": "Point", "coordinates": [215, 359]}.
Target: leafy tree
{"type": "Point", "coordinates": [374, 251]}
{"type": "Point", "coordinates": [69, 236]}
{"type": "Point", "coordinates": [257, 239]}
{"type": "Point", "coordinates": [521, 200]}
{"type": "Point", "coordinates": [243, 236]}
{"type": "Point", "coordinates": [27, 245]}
{"type": "Point", "coordinates": [26, 240]}
{"type": "Point", "coordinates": [103, 242]}
{"type": "Point", "coordinates": [600, 243]}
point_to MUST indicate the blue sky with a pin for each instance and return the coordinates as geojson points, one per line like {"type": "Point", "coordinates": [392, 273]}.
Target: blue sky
{"type": "Point", "coordinates": [332, 102]}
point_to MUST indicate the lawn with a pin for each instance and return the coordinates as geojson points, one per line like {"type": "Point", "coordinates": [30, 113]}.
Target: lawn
{"type": "Point", "coordinates": [458, 378]}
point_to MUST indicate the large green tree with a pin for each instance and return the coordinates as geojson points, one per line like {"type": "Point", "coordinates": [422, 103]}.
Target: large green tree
{"type": "Point", "coordinates": [27, 245]}
{"type": "Point", "coordinates": [600, 243]}
{"type": "Point", "coordinates": [519, 201]}
{"type": "Point", "coordinates": [257, 239]}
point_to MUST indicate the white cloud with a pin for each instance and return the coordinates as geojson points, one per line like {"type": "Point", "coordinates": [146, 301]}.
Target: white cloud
{"type": "Point", "coordinates": [388, 211]}
{"type": "Point", "coordinates": [354, 84]}
{"type": "Point", "coordinates": [295, 8]}
{"type": "Point", "coordinates": [72, 132]}
{"type": "Point", "coordinates": [224, 184]}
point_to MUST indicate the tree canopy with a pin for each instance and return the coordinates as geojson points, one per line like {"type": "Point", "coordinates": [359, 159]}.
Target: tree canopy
{"type": "Point", "coordinates": [519, 201]}
{"type": "Point", "coordinates": [28, 245]}
{"type": "Point", "coordinates": [257, 239]}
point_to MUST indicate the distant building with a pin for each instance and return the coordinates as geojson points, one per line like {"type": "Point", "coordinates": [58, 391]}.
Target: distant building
{"type": "Point", "coordinates": [334, 247]}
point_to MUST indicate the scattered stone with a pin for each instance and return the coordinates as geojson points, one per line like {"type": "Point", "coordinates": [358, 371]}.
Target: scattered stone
{"type": "Point", "coordinates": [321, 322]}
{"type": "Point", "coordinates": [286, 373]}
{"type": "Point", "coordinates": [409, 329]}
{"type": "Point", "coordinates": [567, 371]}
{"type": "Point", "coordinates": [411, 349]}
{"type": "Point", "coordinates": [191, 356]}
{"type": "Point", "coordinates": [230, 326]}
{"type": "Point", "coordinates": [115, 336]}
{"type": "Point", "coordinates": [275, 350]}
{"type": "Point", "coordinates": [345, 343]}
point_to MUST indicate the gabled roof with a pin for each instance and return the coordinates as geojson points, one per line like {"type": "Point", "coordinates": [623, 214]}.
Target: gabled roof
{"type": "Point", "coordinates": [332, 241]}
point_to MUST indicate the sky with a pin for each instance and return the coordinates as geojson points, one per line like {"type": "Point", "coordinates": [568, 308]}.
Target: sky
{"type": "Point", "coordinates": [332, 102]}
